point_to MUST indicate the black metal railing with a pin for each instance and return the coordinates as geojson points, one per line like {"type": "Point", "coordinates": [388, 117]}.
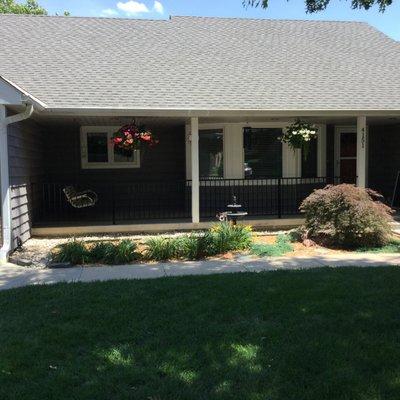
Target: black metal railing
{"type": "Point", "coordinates": [161, 200]}
{"type": "Point", "coordinates": [261, 196]}
{"type": "Point", "coordinates": [117, 202]}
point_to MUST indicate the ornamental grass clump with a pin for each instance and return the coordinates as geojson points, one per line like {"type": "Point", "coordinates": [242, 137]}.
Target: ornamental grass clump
{"type": "Point", "coordinates": [347, 216]}
{"type": "Point", "coordinates": [195, 246]}
{"type": "Point", "coordinates": [74, 252]}
{"type": "Point", "coordinates": [120, 253]}
{"type": "Point", "coordinates": [227, 237]}
{"type": "Point", "coordinates": [160, 248]}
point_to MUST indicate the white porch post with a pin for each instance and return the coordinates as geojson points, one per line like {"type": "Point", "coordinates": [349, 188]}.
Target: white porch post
{"type": "Point", "coordinates": [194, 131]}
{"type": "Point", "coordinates": [5, 187]}
{"type": "Point", "coordinates": [362, 151]}
{"type": "Point", "coordinates": [321, 150]}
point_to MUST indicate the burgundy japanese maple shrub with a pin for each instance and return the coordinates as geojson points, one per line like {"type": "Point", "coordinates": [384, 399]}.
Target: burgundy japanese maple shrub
{"type": "Point", "coordinates": [347, 216]}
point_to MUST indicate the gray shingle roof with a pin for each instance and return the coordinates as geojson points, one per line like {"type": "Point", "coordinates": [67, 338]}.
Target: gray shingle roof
{"type": "Point", "coordinates": [201, 63]}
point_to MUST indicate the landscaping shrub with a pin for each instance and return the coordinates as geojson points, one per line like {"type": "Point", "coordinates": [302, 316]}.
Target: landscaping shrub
{"type": "Point", "coordinates": [194, 247]}
{"type": "Point", "coordinates": [74, 252]}
{"type": "Point", "coordinates": [228, 237]}
{"type": "Point", "coordinates": [100, 251]}
{"type": "Point", "coordinates": [281, 246]}
{"type": "Point", "coordinates": [160, 248]}
{"type": "Point", "coordinates": [120, 253]}
{"type": "Point", "coordinates": [347, 216]}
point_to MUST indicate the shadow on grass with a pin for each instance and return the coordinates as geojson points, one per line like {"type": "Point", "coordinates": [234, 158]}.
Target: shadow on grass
{"type": "Point", "coordinates": [317, 334]}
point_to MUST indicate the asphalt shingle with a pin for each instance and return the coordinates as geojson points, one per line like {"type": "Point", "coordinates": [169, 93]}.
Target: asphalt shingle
{"type": "Point", "coordinates": [201, 63]}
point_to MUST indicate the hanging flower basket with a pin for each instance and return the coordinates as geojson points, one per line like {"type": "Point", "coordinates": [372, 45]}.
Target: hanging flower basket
{"type": "Point", "coordinates": [298, 136]}
{"type": "Point", "coordinates": [132, 137]}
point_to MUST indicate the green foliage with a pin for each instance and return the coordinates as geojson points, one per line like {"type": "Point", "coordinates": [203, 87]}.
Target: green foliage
{"type": "Point", "coordinates": [219, 239]}
{"type": "Point", "coordinates": [313, 6]}
{"type": "Point", "coordinates": [347, 216]}
{"type": "Point", "coordinates": [99, 251]}
{"type": "Point", "coordinates": [29, 7]}
{"type": "Point", "coordinates": [161, 248]}
{"type": "Point", "coordinates": [392, 247]}
{"type": "Point", "coordinates": [194, 247]}
{"type": "Point", "coordinates": [227, 237]}
{"type": "Point", "coordinates": [281, 246]}
{"type": "Point", "coordinates": [74, 252]}
{"type": "Point", "coordinates": [78, 252]}
{"type": "Point", "coordinates": [122, 252]}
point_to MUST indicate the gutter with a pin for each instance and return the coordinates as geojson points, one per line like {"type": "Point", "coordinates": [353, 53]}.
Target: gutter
{"type": "Point", "coordinates": [5, 177]}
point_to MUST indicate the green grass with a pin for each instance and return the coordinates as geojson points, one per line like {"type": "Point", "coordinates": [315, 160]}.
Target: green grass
{"type": "Point", "coordinates": [281, 246]}
{"type": "Point", "coordinates": [392, 247]}
{"type": "Point", "coordinates": [303, 335]}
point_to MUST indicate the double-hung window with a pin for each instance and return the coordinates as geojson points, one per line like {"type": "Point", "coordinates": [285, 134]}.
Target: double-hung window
{"type": "Point", "coordinates": [98, 151]}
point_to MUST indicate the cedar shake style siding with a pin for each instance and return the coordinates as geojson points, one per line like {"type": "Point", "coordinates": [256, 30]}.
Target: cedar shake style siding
{"type": "Point", "coordinates": [26, 155]}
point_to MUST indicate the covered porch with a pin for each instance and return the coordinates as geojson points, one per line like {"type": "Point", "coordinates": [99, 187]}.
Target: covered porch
{"type": "Point", "coordinates": [199, 164]}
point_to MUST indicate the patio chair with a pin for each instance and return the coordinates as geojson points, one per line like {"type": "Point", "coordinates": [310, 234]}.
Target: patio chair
{"type": "Point", "coordinates": [82, 199]}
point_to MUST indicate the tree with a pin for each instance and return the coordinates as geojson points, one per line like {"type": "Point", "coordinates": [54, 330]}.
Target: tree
{"type": "Point", "coordinates": [29, 7]}
{"type": "Point", "coordinates": [313, 6]}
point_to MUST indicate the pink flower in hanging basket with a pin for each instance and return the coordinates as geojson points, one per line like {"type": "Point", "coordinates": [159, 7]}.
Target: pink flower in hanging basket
{"type": "Point", "coordinates": [131, 137]}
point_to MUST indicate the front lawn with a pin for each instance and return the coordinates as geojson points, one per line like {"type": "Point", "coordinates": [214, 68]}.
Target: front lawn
{"type": "Point", "coordinates": [315, 334]}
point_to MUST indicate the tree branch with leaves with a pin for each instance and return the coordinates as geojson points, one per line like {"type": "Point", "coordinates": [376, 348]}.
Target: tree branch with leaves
{"type": "Point", "coordinates": [313, 6]}
{"type": "Point", "coordinates": [29, 7]}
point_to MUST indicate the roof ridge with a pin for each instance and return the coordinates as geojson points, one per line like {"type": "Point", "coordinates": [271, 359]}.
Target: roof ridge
{"type": "Point", "coordinates": [172, 17]}
{"type": "Point", "coordinates": [83, 17]}
{"type": "Point", "coordinates": [266, 19]}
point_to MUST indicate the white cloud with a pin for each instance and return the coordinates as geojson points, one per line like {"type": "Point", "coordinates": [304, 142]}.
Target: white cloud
{"type": "Point", "coordinates": [109, 12]}
{"type": "Point", "coordinates": [158, 7]}
{"type": "Point", "coordinates": [132, 7]}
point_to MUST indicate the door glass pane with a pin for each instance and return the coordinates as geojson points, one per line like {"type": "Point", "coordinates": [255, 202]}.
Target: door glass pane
{"type": "Point", "coordinates": [211, 153]}
{"type": "Point", "coordinates": [348, 170]}
{"type": "Point", "coordinates": [97, 147]}
{"type": "Point", "coordinates": [121, 156]}
{"type": "Point", "coordinates": [348, 144]}
{"type": "Point", "coordinates": [262, 152]}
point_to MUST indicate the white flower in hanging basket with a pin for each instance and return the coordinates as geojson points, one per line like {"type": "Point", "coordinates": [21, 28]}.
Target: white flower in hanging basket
{"type": "Point", "coordinates": [298, 136]}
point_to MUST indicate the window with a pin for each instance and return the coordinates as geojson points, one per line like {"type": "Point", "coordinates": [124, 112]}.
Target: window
{"type": "Point", "coordinates": [262, 152]}
{"type": "Point", "coordinates": [97, 150]}
{"type": "Point", "coordinates": [211, 153]}
{"type": "Point", "coordinates": [309, 164]}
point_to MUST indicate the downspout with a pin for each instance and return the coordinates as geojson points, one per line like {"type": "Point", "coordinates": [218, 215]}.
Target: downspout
{"type": "Point", "coordinates": [5, 177]}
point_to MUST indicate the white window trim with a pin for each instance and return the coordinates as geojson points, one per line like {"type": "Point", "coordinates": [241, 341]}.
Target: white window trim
{"type": "Point", "coordinates": [106, 165]}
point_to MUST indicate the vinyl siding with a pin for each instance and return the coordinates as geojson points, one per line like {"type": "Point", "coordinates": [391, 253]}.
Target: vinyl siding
{"type": "Point", "coordinates": [26, 163]}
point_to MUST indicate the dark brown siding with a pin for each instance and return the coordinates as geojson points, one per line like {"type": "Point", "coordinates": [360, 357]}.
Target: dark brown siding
{"type": "Point", "coordinates": [26, 160]}
{"type": "Point", "coordinates": [166, 161]}
{"type": "Point", "coordinates": [384, 158]}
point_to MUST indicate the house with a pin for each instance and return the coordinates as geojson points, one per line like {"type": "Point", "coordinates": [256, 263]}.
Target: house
{"type": "Point", "coordinates": [217, 92]}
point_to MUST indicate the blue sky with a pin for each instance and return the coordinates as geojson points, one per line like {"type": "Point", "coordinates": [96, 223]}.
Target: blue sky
{"type": "Point", "coordinates": [388, 22]}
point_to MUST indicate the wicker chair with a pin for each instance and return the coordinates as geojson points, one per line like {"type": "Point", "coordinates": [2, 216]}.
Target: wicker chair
{"type": "Point", "coordinates": [85, 198]}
